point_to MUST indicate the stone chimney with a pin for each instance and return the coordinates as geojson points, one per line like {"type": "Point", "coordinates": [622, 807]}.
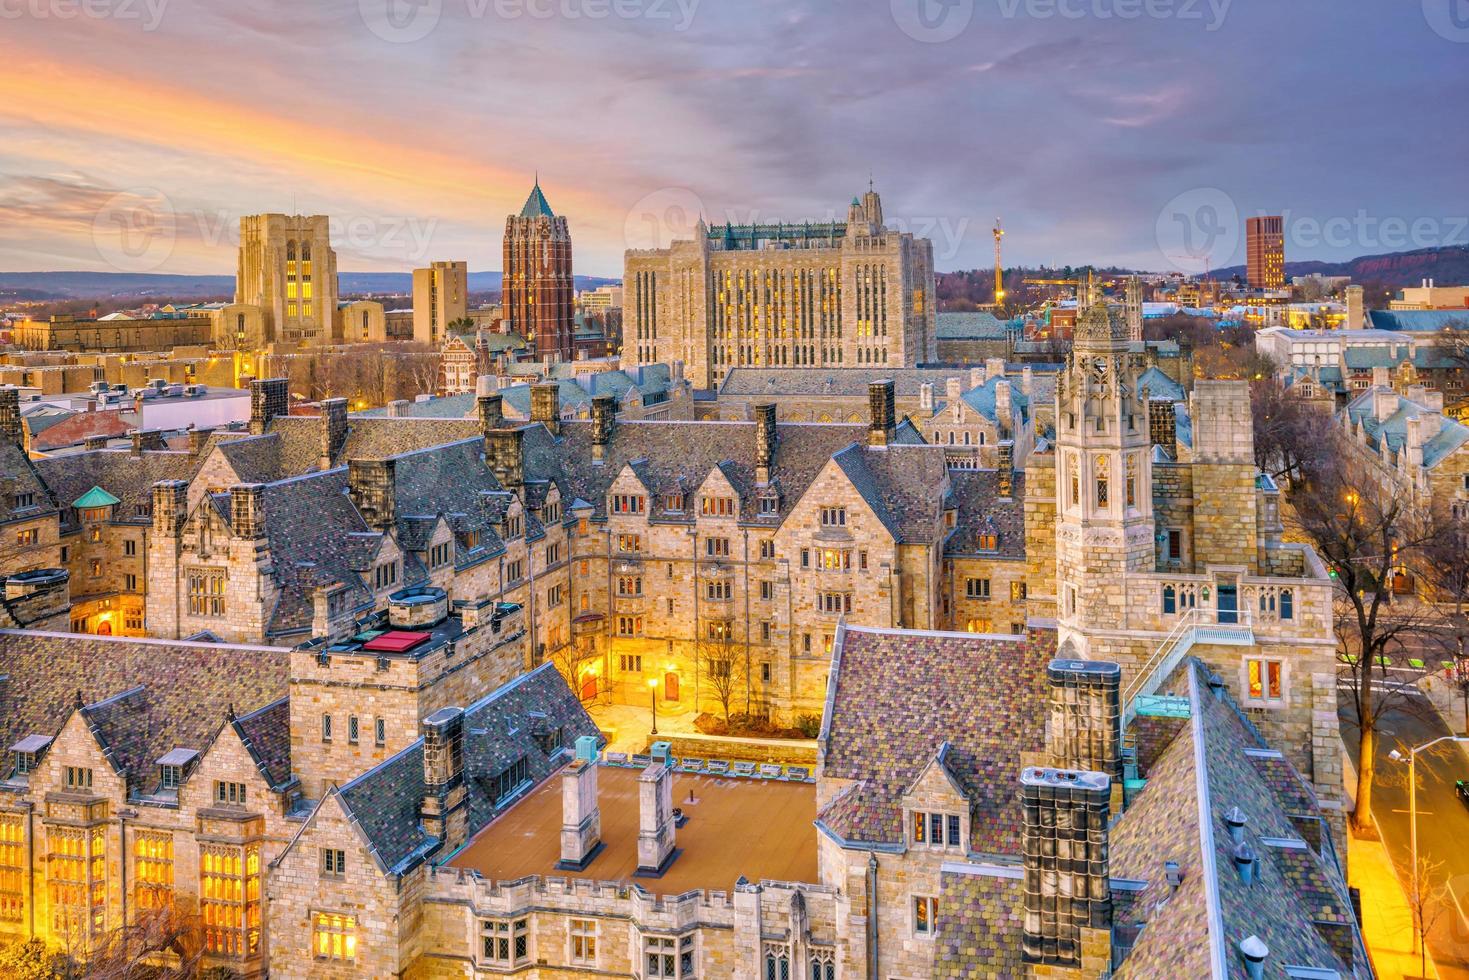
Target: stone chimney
{"type": "Point", "coordinates": [925, 396]}
{"type": "Point", "coordinates": [334, 429]}
{"type": "Point", "coordinates": [491, 407]}
{"type": "Point", "coordinates": [372, 485]}
{"type": "Point", "coordinates": [976, 377]}
{"type": "Point", "coordinates": [604, 415]}
{"type": "Point", "coordinates": [170, 507]}
{"type": "Point", "coordinates": [504, 456]}
{"type": "Point", "coordinates": [545, 405]}
{"type": "Point", "coordinates": [1356, 308]}
{"type": "Point", "coordinates": [137, 448]}
{"type": "Point", "coordinates": [581, 817]}
{"type": "Point", "coordinates": [1027, 380]}
{"type": "Point", "coordinates": [246, 517]}
{"type": "Point", "coordinates": [1004, 410]}
{"type": "Point", "coordinates": [444, 810]}
{"type": "Point", "coordinates": [1384, 402]}
{"type": "Point", "coordinates": [1421, 429]}
{"type": "Point", "coordinates": [994, 367]}
{"type": "Point", "coordinates": [1068, 896]}
{"type": "Point", "coordinates": [1084, 728]}
{"type": "Point", "coordinates": [268, 400]}
{"type": "Point", "coordinates": [884, 424]}
{"type": "Point", "coordinates": [95, 442]}
{"type": "Point", "coordinates": [198, 439]}
{"type": "Point", "coordinates": [765, 438]}
{"type": "Point", "coordinates": [655, 821]}
{"type": "Point", "coordinates": [953, 389]}
{"type": "Point", "coordinates": [398, 408]}
{"type": "Point", "coordinates": [10, 425]}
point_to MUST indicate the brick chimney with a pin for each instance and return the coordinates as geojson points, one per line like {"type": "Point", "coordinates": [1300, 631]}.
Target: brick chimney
{"type": "Point", "coordinates": [170, 507]}
{"type": "Point", "coordinates": [10, 425]}
{"type": "Point", "coordinates": [198, 439]}
{"type": "Point", "coordinates": [333, 430]}
{"type": "Point", "coordinates": [581, 816]}
{"type": "Point", "coordinates": [765, 437]}
{"type": "Point", "coordinates": [491, 408]}
{"type": "Point", "coordinates": [545, 405]}
{"type": "Point", "coordinates": [372, 485]}
{"type": "Point", "coordinates": [1068, 896]}
{"type": "Point", "coordinates": [883, 425]}
{"type": "Point", "coordinates": [444, 809]}
{"type": "Point", "coordinates": [504, 456]}
{"type": "Point", "coordinates": [655, 821]}
{"type": "Point", "coordinates": [246, 517]}
{"type": "Point", "coordinates": [1084, 728]}
{"type": "Point", "coordinates": [268, 400]}
{"type": "Point", "coordinates": [604, 416]}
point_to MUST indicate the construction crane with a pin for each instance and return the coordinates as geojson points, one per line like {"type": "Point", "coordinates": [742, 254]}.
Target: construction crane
{"type": "Point", "coordinates": [999, 269]}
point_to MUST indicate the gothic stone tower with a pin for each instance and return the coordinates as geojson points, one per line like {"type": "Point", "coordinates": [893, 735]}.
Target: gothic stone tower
{"type": "Point", "coordinates": [538, 282]}
{"type": "Point", "coordinates": [1104, 514]}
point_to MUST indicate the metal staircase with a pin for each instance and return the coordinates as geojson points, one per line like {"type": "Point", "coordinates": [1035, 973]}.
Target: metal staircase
{"type": "Point", "coordinates": [1198, 625]}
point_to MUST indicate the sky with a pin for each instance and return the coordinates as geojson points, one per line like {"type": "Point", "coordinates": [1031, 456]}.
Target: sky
{"type": "Point", "coordinates": [135, 133]}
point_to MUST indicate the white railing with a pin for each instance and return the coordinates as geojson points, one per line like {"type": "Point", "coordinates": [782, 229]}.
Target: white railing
{"type": "Point", "coordinates": [1198, 624]}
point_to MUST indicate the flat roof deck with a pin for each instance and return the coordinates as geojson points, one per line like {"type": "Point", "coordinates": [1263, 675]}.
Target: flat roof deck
{"type": "Point", "coordinates": [736, 826]}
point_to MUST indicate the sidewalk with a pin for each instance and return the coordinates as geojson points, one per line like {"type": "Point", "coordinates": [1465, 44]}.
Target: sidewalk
{"type": "Point", "coordinates": [1387, 922]}
{"type": "Point", "coordinates": [627, 726]}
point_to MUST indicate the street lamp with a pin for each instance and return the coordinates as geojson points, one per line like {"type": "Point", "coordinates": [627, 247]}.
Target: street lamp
{"type": "Point", "coordinates": [1397, 756]}
{"type": "Point", "coordinates": [653, 695]}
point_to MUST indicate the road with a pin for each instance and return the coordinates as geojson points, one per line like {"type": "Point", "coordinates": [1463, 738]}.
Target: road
{"type": "Point", "coordinates": [1443, 820]}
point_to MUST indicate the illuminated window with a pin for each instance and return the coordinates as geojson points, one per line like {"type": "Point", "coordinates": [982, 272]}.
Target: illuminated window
{"type": "Point", "coordinates": [1131, 488]}
{"type": "Point", "coordinates": [979, 624]}
{"type": "Point", "coordinates": [334, 937]}
{"type": "Point", "coordinates": [1265, 679]}
{"type": "Point", "coordinates": [925, 915]}
{"type": "Point", "coordinates": [28, 536]}
{"type": "Point", "coordinates": [12, 867]}
{"type": "Point", "coordinates": [628, 503]}
{"type": "Point", "coordinates": [717, 506]}
{"type": "Point", "coordinates": [205, 588]}
{"type": "Point", "coordinates": [630, 542]}
{"type": "Point", "coordinates": [1103, 467]}
{"type": "Point", "coordinates": [836, 559]}
{"type": "Point", "coordinates": [152, 870]}
{"type": "Point", "coordinates": [584, 942]}
{"type": "Point", "coordinates": [629, 585]}
{"type": "Point", "coordinates": [229, 898]}
{"type": "Point", "coordinates": [76, 878]}
{"type": "Point", "coordinates": [716, 547]}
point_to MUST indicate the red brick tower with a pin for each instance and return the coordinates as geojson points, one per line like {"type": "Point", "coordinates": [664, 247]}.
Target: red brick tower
{"type": "Point", "coordinates": [538, 284]}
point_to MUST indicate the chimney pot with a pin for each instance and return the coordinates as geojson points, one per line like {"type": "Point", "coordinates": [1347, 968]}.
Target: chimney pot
{"type": "Point", "coordinates": [883, 426]}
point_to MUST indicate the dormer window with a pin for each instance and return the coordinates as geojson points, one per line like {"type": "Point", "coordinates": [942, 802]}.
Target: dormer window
{"type": "Point", "coordinates": [471, 540]}
{"type": "Point", "coordinates": [170, 777]}
{"type": "Point", "coordinates": [171, 768]}
{"type": "Point", "coordinates": [769, 505]}
{"type": "Point", "coordinates": [673, 502]}
{"type": "Point", "coordinates": [24, 763]}
{"type": "Point", "coordinates": [26, 752]}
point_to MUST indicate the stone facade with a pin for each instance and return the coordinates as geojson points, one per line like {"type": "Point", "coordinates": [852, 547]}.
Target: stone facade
{"type": "Point", "coordinates": [287, 270]}
{"type": "Point", "coordinates": [857, 294]}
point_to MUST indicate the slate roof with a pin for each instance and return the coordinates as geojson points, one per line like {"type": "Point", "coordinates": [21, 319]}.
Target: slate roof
{"type": "Point", "coordinates": [981, 917]}
{"type": "Point", "coordinates": [266, 732]}
{"type": "Point", "coordinates": [981, 510]}
{"type": "Point", "coordinates": [978, 325]}
{"type": "Point", "coordinates": [985, 695]}
{"type": "Point", "coordinates": [144, 697]}
{"type": "Point", "coordinates": [499, 729]}
{"type": "Point", "coordinates": [368, 437]}
{"type": "Point", "coordinates": [904, 486]}
{"type": "Point", "coordinates": [18, 477]}
{"type": "Point", "coordinates": [1160, 386]}
{"type": "Point", "coordinates": [1418, 321]}
{"type": "Point", "coordinates": [846, 382]}
{"type": "Point", "coordinates": [127, 477]}
{"type": "Point", "coordinates": [1392, 432]}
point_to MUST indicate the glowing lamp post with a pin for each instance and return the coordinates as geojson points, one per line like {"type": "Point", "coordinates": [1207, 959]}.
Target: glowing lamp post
{"type": "Point", "coordinates": [653, 696]}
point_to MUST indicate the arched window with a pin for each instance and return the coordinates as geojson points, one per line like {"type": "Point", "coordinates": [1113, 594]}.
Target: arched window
{"type": "Point", "coordinates": [305, 251]}
{"type": "Point", "coordinates": [1170, 600]}
{"type": "Point", "coordinates": [1131, 488]}
{"type": "Point", "coordinates": [823, 966]}
{"type": "Point", "coordinates": [777, 965]}
{"type": "Point", "coordinates": [1103, 473]}
{"type": "Point", "coordinates": [291, 250]}
{"type": "Point", "coordinates": [1287, 604]}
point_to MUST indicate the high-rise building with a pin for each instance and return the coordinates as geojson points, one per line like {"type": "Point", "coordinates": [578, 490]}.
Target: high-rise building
{"type": "Point", "coordinates": [440, 296]}
{"type": "Point", "coordinates": [1265, 251]}
{"type": "Point", "coordinates": [811, 294]}
{"type": "Point", "coordinates": [538, 279]}
{"type": "Point", "coordinates": [288, 270]}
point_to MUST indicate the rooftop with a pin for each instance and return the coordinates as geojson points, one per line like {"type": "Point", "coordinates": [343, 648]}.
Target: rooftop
{"type": "Point", "coordinates": [761, 829]}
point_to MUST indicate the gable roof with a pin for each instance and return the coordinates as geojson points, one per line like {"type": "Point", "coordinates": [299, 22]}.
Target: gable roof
{"type": "Point", "coordinates": [985, 694]}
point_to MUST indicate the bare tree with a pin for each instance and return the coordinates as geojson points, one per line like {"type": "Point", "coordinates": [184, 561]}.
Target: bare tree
{"type": "Point", "coordinates": [1426, 894]}
{"type": "Point", "coordinates": [722, 665]}
{"type": "Point", "coordinates": [573, 660]}
{"type": "Point", "coordinates": [1365, 535]}
{"type": "Point", "coordinates": [1292, 437]}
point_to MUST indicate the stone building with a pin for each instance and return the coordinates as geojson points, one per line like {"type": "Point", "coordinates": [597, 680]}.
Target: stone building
{"type": "Point", "coordinates": [854, 294]}
{"type": "Point", "coordinates": [67, 332]}
{"type": "Point", "coordinates": [538, 289]}
{"type": "Point", "coordinates": [440, 298]}
{"type": "Point", "coordinates": [287, 271]}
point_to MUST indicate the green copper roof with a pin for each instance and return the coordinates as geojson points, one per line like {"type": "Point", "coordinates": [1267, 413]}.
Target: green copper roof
{"type": "Point", "coordinates": [535, 205]}
{"type": "Point", "coordinates": [96, 497]}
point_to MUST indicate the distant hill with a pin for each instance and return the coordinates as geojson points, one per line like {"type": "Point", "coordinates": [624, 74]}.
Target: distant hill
{"type": "Point", "coordinates": [1448, 265]}
{"type": "Point", "coordinates": [123, 285]}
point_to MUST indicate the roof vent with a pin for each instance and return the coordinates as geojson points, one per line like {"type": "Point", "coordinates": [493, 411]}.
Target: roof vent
{"type": "Point", "coordinates": [1255, 952]}
{"type": "Point", "coordinates": [1235, 821]}
{"type": "Point", "coordinates": [1244, 862]}
{"type": "Point", "coordinates": [1174, 874]}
